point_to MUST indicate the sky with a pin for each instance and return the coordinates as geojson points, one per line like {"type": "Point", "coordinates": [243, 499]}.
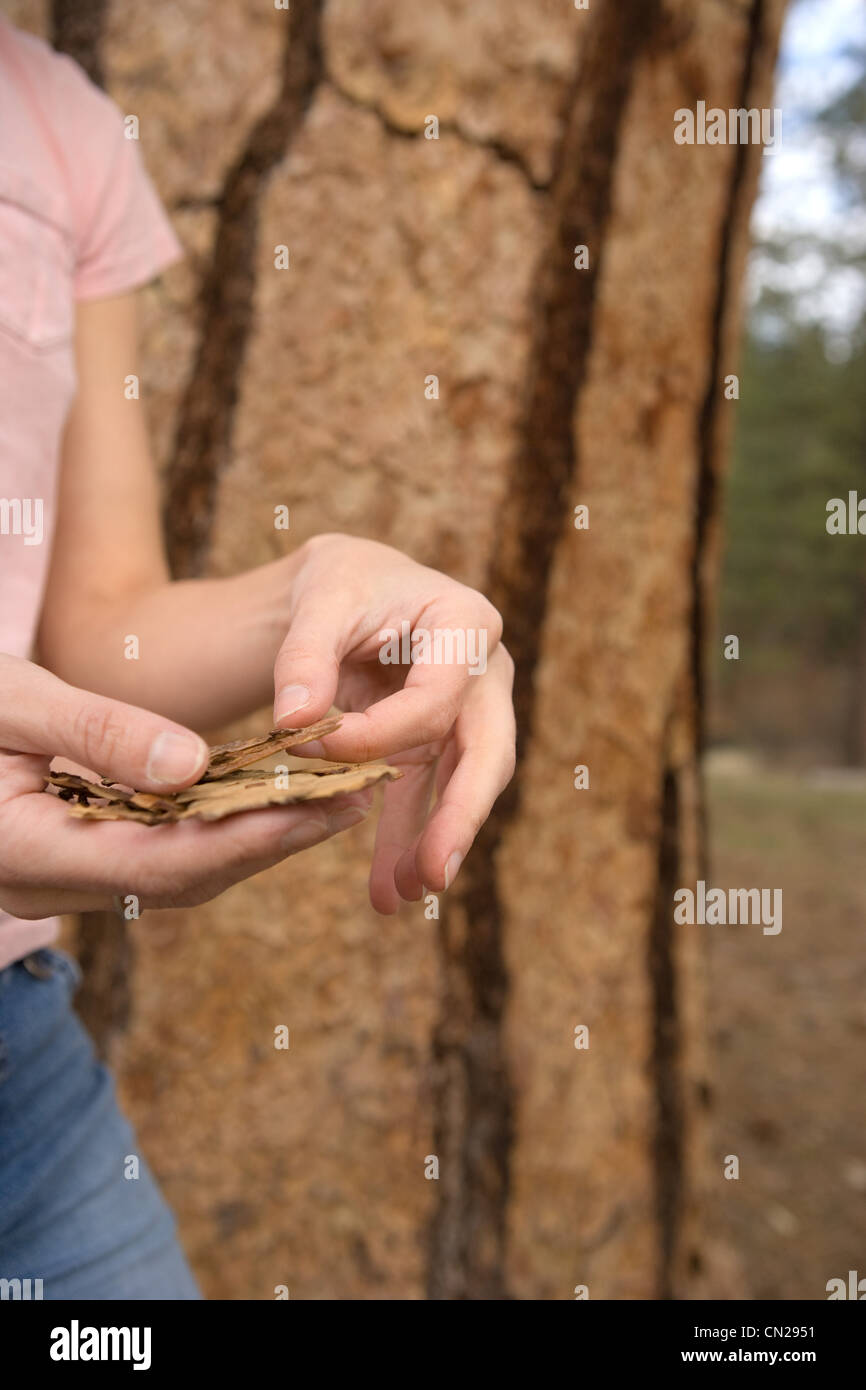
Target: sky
{"type": "Point", "coordinates": [799, 194]}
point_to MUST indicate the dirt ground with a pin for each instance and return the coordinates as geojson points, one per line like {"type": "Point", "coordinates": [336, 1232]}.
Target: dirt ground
{"type": "Point", "coordinates": [788, 1017]}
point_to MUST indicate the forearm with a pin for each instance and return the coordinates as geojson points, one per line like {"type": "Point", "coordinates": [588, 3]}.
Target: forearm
{"type": "Point", "coordinates": [198, 651]}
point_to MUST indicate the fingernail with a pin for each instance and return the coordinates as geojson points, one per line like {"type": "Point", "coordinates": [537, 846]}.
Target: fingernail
{"type": "Point", "coordinates": [341, 820]}
{"type": "Point", "coordinates": [451, 867]}
{"type": "Point", "coordinates": [175, 757]}
{"type": "Point", "coordinates": [290, 699]}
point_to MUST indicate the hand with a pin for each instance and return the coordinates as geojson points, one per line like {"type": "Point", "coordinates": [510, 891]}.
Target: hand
{"type": "Point", "coordinates": [50, 862]}
{"type": "Point", "coordinates": [438, 722]}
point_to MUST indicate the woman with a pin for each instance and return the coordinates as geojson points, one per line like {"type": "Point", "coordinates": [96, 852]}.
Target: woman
{"type": "Point", "coordinates": [83, 571]}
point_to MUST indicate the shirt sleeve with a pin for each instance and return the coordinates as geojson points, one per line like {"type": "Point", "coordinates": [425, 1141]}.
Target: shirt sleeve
{"type": "Point", "coordinates": [124, 237]}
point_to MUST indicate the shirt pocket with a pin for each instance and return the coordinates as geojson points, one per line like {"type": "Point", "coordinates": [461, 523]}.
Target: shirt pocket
{"type": "Point", "coordinates": [36, 264]}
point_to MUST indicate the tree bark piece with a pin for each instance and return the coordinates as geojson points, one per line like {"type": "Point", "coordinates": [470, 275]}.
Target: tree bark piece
{"type": "Point", "coordinates": [225, 788]}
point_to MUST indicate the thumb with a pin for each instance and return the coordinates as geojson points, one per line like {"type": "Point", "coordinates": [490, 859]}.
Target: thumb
{"type": "Point", "coordinates": [42, 714]}
{"type": "Point", "coordinates": [306, 673]}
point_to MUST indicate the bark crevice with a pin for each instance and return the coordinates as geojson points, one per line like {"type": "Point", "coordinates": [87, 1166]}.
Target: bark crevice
{"type": "Point", "coordinates": [203, 436]}
{"type": "Point", "coordinates": [474, 1122]}
{"type": "Point", "coordinates": [707, 489]}
{"type": "Point", "coordinates": [669, 1146]}
{"type": "Point", "coordinates": [666, 1043]}
{"type": "Point", "coordinates": [77, 29]}
{"type": "Point", "coordinates": [106, 954]}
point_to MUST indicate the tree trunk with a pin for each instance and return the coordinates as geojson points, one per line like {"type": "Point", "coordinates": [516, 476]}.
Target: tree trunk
{"type": "Point", "coordinates": [559, 387]}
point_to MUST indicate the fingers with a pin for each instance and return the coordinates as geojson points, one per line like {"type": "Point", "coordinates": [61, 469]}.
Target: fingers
{"type": "Point", "coordinates": [485, 740]}
{"type": "Point", "coordinates": [481, 775]}
{"type": "Point", "coordinates": [42, 714]}
{"type": "Point", "coordinates": [424, 711]}
{"type": "Point", "coordinates": [449, 643]}
{"type": "Point", "coordinates": [176, 865]}
{"type": "Point", "coordinates": [404, 810]}
{"type": "Point", "coordinates": [306, 669]}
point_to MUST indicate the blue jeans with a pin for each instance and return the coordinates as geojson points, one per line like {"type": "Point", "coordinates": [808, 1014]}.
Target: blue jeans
{"type": "Point", "coordinates": [72, 1212]}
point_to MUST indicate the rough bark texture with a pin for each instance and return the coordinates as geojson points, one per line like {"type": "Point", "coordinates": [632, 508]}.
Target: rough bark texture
{"type": "Point", "coordinates": [559, 387]}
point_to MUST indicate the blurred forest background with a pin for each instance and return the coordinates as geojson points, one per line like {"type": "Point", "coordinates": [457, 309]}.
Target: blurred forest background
{"type": "Point", "coordinates": [787, 786]}
{"type": "Point", "coordinates": [796, 596]}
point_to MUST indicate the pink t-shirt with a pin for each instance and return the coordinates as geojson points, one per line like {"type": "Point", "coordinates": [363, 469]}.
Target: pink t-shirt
{"type": "Point", "coordinates": [79, 219]}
